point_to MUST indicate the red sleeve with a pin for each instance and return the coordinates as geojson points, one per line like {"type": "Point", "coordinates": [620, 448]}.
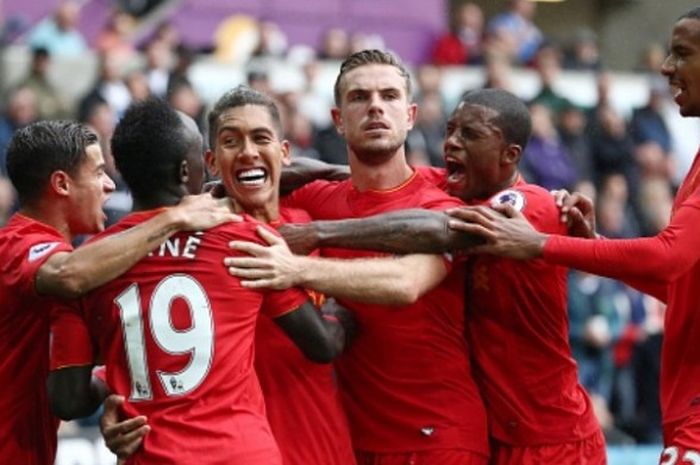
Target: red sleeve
{"type": "Point", "coordinates": [655, 260]}
{"type": "Point", "coordinates": [37, 249]}
{"type": "Point", "coordinates": [278, 303]}
{"type": "Point", "coordinates": [70, 338]}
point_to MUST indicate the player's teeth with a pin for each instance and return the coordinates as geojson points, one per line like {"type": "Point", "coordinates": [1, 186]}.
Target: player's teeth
{"type": "Point", "coordinates": [252, 173]}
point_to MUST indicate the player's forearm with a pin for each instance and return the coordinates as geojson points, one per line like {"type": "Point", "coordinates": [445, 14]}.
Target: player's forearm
{"type": "Point", "coordinates": [303, 170]}
{"type": "Point", "coordinates": [385, 280]}
{"type": "Point", "coordinates": [403, 231]}
{"type": "Point", "coordinates": [74, 392]}
{"type": "Point", "coordinates": [73, 274]}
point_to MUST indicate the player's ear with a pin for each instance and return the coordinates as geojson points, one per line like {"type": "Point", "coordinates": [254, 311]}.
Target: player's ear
{"type": "Point", "coordinates": [184, 174]}
{"type": "Point", "coordinates": [59, 183]}
{"type": "Point", "coordinates": [286, 153]}
{"type": "Point", "coordinates": [337, 120]}
{"type": "Point", "coordinates": [412, 114]}
{"type": "Point", "coordinates": [210, 160]}
{"type": "Point", "coordinates": [511, 154]}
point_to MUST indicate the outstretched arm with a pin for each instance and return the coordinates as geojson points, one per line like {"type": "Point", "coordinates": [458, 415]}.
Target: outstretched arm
{"type": "Point", "coordinates": [72, 274]}
{"type": "Point", "coordinates": [402, 231]}
{"type": "Point", "coordinates": [383, 280]}
{"type": "Point", "coordinates": [303, 170]}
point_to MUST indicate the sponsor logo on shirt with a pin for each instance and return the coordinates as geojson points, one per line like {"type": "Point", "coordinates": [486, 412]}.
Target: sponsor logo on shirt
{"type": "Point", "coordinates": [39, 250]}
{"type": "Point", "coordinates": [511, 197]}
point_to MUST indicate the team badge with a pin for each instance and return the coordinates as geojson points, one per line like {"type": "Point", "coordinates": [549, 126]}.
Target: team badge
{"type": "Point", "coordinates": [39, 250]}
{"type": "Point", "coordinates": [511, 197]}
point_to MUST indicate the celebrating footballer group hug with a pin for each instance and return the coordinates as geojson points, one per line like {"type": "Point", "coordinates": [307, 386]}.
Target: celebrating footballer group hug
{"type": "Point", "coordinates": [385, 315]}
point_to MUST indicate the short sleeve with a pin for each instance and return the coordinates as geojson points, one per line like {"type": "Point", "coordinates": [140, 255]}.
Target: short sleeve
{"type": "Point", "coordinates": [71, 344]}
{"type": "Point", "coordinates": [279, 303]}
{"type": "Point", "coordinates": [36, 249]}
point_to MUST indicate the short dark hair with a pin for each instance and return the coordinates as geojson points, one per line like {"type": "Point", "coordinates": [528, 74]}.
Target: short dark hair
{"type": "Point", "coordinates": [370, 57]}
{"type": "Point", "coordinates": [513, 115]}
{"type": "Point", "coordinates": [149, 145]}
{"type": "Point", "coordinates": [238, 97]}
{"type": "Point", "coordinates": [41, 148]}
{"type": "Point", "coordinates": [693, 13]}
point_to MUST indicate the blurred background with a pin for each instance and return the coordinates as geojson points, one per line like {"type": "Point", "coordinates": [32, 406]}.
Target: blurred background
{"type": "Point", "coordinates": [603, 121]}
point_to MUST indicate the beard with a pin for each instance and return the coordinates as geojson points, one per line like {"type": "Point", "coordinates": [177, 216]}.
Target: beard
{"type": "Point", "coordinates": [375, 152]}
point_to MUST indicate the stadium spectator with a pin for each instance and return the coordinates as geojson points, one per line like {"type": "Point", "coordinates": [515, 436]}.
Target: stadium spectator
{"type": "Point", "coordinates": [58, 33]}
{"type": "Point", "coordinates": [547, 62]}
{"type": "Point", "coordinates": [50, 102]}
{"type": "Point", "coordinates": [109, 87]}
{"type": "Point", "coordinates": [546, 160]}
{"type": "Point", "coordinates": [335, 44]}
{"type": "Point", "coordinates": [158, 64]}
{"type": "Point", "coordinates": [583, 53]}
{"type": "Point", "coordinates": [515, 31]}
{"type": "Point", "coordinates": [462, 45]}
{"type": "Point", "coordinates": [116, 35]}
{"type": "Point", "coordinates": [21, 111]}
{"type": "Point", "coordinates": [572, 131]}
{"type": "Point", "coordinates": [424, 142]}
{"type": "Point", "coordinates": [272, 42]}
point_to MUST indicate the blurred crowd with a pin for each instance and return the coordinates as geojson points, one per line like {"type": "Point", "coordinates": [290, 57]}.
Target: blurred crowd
{"type": "Point", "coordinates": [629, 163]}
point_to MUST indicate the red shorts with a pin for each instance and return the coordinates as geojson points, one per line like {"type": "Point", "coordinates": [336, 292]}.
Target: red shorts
{"type": "Point", "coordinates": [426, 457]}
{"type": "Point", "coordinates": [589, 451]}
{"type": "Point", "coordinates": [682, 442]}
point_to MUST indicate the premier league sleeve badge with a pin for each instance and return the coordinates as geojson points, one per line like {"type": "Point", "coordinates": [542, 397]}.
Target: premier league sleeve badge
{"type": "Point", "coordinates": [511, 197]}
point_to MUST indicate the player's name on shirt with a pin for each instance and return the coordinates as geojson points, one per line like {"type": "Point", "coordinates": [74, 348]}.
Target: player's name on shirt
{"type": "Point", "coordinates": [179, 246]}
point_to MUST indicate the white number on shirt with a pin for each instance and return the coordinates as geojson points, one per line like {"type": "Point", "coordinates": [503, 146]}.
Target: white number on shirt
{"type": "Point", "coordinates": [198, 340]}
{"type": "Point", "coordinates": [670, 456]}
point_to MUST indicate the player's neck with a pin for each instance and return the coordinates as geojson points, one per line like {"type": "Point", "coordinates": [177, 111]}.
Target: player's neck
{"type": "Point", "coordinates": [386, 175]}
{"type": "Point", "coordinates": [157, 200]}
{"type": "Point", "coordinates": [266, 213]}
{"type": "Point", "coordinates": [49, 214]}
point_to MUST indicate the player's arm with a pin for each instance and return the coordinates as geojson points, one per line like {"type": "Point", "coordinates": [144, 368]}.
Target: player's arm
{"type": "Point", "coordinates": [654, 260]}
{"type": "Point", "coordinates": [71, 274]}
{"type": "Point", "coordinates": [320, 337]}
{"type": "Point", "coordinates": [384, 280]}
{"type": "Point", "coordinates": [303, 170]}
{"type": "Point", "coordinates": [74, 392]}
{"type": "Point", "coordinates": [402, 231]}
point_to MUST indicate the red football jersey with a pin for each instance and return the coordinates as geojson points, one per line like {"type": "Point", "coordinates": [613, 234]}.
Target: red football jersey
{"type": "Point", "coordinates": [405, 381]}
{"type": "Point", "coordinates": [28, 429]}
{"type": "Point", "coordinates": [176, 334]}
{"type": "Point", "coordinates": [672, 258]}
{"type": "Point", "coordinates": [519, 335]}
{"type": "Point", "coordinates": [301, 396]}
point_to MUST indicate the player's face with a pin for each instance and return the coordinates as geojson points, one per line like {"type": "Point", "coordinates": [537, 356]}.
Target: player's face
{"type": "Point", "coordinates": [89, 189]}
{"type": "Point", "coordinates": [682, 66]}
{"type": "Point", "coordinates": [374, 114]}
{"type": "Point", "coordinates": [249, 156]}
{"type": "Point", "coordinates": [474, 149]}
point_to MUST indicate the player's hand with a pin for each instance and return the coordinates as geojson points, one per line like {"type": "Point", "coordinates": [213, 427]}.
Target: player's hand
{"type": "Point", "coordinates": [577, 211]}
{"type": "Point", "coordinates": [301, 238]}
{"type": "Point", "coordinates": [505, 229]}
{"type": "Point", "coordinates": [271, 267]}
{"type": "Point", "coordinates": [332, 310]}
{"type": "Point", "coordinates": [123, 438]}
{"type": "Point", "coordinates": [200, 212]}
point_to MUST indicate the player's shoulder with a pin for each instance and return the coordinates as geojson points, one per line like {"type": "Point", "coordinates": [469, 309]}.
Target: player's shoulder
{"type": "Point", "coordinates": [433, 175]}
{"type": "Point", "coordinates": [245, 230]}
{"type": "Point", "coordinates": [22, 235]}
{"type": "Point", "coordinates": [294, 215]}
{"type": "Point", "coordinates": [533, 201]}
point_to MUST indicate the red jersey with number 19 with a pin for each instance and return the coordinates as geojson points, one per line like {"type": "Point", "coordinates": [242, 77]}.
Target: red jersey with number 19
{"type": "Point", "coordinates": [176, 333]}
{"type": "Point", "coordinates": [28, 429]}
{"type": "Point", "coordinates": [405, 380]}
